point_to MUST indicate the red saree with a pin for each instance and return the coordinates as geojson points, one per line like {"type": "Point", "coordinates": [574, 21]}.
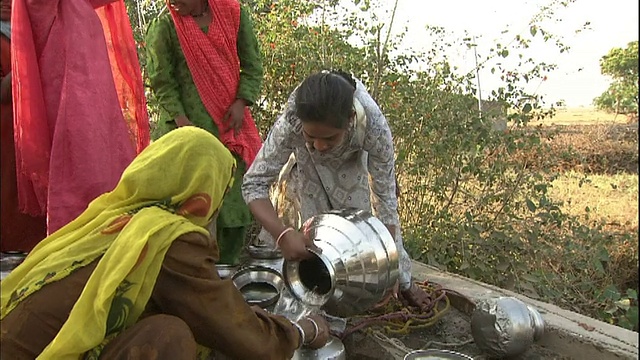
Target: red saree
{"type": "Point", "coordinates": [212, 58]}
{"type": "Point", "coordinates": [19, 232]}
{"type": "Point", "coordinates": [80, 113]}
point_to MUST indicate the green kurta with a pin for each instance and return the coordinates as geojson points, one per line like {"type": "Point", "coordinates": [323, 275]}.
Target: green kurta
{"type": "Point", "coordinates": [177, 94]}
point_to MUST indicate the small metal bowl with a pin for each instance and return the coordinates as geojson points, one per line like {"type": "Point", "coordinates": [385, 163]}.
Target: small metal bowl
{"type": "Point", "coordinates": [434, 354]}
{"type": "Point", "coordinates": [259, 285]}
{"type": "Point", "coordinates": [263, 252]}
{"type": "Point", "coordinates": [333, 350]}
{"type": "Point", "coordinates": [226, 271]}
{"type": "Point", "coordinates": [273, 264]}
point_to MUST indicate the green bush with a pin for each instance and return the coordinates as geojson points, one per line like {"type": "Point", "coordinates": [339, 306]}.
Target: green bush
{"type": "Point", "coordinates": [471, 203]}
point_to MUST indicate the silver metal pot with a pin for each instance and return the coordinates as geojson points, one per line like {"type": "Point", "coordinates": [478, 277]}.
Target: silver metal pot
{"type": "Point", "coordinates": [433, 354]}
{"type": "Point", "coordinates": [271, 263]}
{"type": "Point", "coordinates": [505, 326]}
{"type": "Point", "coordinates": [9, 260]}
{"type": "Point", "coordinates": [263, 252]}
{"type": "Point", "coordinates": [259, 285]}
{"type": "Point", "coordinates": [226, 271]}
{"type": "Point", "coordinates": [332, 350]}
{"type": "Point", "coordinates": [356, 268]}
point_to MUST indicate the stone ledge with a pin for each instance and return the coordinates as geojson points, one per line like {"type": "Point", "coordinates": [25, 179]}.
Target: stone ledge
{"type": "Point", "coordinates": [564, 332]}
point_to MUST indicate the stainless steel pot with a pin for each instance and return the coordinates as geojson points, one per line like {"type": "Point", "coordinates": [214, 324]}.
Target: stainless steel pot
{"type": "Point", "coordinates": [505, 326]}
{"type": "Point", "coordinates": [263, 252]}
{"type": "Point", "coordinates": [332, 350]}
{"type": "Point", "coordinates": [434, 354]}
{"type": "Point", "coordinates": [356, 268]}
{"type": "Point", "coordinates": [271, 263]}
{"type": "Point", "coordinates": [259, 285]}
{"type": "Point", "coordinates": [226, 271]}
{"type": "Point", "coordinates": [9, 260]}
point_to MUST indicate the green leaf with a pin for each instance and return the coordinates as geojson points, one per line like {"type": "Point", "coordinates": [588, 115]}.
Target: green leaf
{"type": "Point", "coordinates": [611, 293]}
{"type": "Point", "coordinates": [530, 205]}
{"type": "Point", "coordinates": [632, 294]}
{"type": "Point", "coordinates": [603, 255]}
{"type": "Point", "coordinates": [533, 30]}
{"type": "Point", "coordinates": [468, 216]}
{"type": "Point", "coordinates": [623, 304]}
{"type": "Point", "coordinates": [598, 265]}
{"type": "Point", "coordinates": [611, 309]}
{"type": "Point", "coordinates": [502, 266]}
{"type": "Point", "coordinates": [530, 278]}
{"type": "Point", "coordinates": [527, 108]}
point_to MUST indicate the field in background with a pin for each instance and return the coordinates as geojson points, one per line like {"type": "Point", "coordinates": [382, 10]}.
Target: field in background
{"type": "Point", "coordinates": [584, 116]}
{"type": "Point", "coordinates": [597, 159]}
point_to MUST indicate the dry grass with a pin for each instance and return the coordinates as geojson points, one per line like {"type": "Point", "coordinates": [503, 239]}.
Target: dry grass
{"type": "Point", "coordinates": [590, 142]}
{"type": "Point", "coordinates": [612, 199]}
{"type": "Point", "coordinates": [584, 116]}
{"type": "Point", "coordinates": [598, 161]}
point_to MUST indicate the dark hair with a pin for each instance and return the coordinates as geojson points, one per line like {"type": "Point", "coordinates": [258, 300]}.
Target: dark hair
{"type": "Point", "coordinates": [326, 97]}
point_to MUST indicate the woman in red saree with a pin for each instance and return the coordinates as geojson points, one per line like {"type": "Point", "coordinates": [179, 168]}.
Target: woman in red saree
{"type": "Point", "coordinates": [80, 112]}
{"type": "Point", "coordinates": [19, 232]}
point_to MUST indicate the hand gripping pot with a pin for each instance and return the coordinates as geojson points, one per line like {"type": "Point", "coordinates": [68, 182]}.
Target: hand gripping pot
{"type": "Point", "coordinates": [356, 267]}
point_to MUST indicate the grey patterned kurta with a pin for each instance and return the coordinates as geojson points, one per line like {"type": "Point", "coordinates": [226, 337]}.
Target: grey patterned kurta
{"type": "Point", "coordinates": [359, 173]}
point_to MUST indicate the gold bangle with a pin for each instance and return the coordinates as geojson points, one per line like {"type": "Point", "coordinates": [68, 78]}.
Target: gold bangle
{"type": "Point", "coordinates": [282, 235]}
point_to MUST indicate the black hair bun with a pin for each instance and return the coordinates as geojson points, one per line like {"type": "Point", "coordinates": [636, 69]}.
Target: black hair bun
{"type": "Point", "coordinates": [345, 75]}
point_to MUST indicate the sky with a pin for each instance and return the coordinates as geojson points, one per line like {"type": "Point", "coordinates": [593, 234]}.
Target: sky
{"type": "Point", "coordinates": [577, 81]}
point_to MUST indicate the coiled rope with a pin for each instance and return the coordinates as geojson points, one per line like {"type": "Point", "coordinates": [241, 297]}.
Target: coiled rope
{"type": "Point", "coordinates": [399, 319]}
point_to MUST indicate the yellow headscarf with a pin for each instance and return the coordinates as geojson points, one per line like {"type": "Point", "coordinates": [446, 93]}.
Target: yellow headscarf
{"type": "Point", "coordinates": [173, 187]}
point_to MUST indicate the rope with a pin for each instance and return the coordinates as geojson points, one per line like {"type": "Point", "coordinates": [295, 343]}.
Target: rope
{"type": "Point", "coordinates": [398, 319]}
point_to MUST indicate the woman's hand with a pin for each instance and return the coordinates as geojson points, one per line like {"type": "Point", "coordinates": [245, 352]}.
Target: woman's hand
{"type": "Point", "coordinates": [295, 246]}
{"type": "Point", "coordinates": [416, 296]}
{"type": "Point", "coordinates": [315, 340]}
{"type": "Point", "coordinates": [5, 90]}
{"type": "Point", "coordinates": [182, 120]}
{"type": "Point", "coordinates": [235, 115]}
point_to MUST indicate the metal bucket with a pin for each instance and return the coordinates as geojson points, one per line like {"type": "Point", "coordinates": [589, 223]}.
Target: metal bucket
{"type": "Point", "coordinates": [433, 354]}
{"type": "Point", "coordinates": [259, 285]}
{"type": "Point", "coordinates": [356, 268]}
{"type": "Point", "coordinates": [332, 350]}
{"type": "Point", "coordinates": [226, 271]}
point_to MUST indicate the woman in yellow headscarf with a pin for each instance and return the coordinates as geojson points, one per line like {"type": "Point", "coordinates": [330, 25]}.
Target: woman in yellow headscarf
{"type": "Point", "coordinates": [134, 275]}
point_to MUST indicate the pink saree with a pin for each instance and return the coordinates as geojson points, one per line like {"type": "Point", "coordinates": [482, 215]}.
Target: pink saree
{"type": "Point", "coordinates": [80, 112]}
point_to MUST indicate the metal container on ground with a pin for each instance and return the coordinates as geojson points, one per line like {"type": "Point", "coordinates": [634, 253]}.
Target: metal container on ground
{"type": "Point", "coordinates": [9, 260]}
{"type": "Point", "coordinates": [271, 263]}
{"type": "Point", "coordinates": [259, 285]}
{"type": "Point", "coordinates": [433, 354]}
{"type": "Point", "coordinates": [226, 271]}
{"type": "Point", "coordinates": [263, 251]}
{"type": "Point", "coordinates": [505, 326]}
{"type": "Point", "coordinates": [332, 350]}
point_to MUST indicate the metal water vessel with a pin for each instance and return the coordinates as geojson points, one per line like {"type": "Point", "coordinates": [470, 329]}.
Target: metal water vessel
{"type": "Point", "coordinates": [356, 267]}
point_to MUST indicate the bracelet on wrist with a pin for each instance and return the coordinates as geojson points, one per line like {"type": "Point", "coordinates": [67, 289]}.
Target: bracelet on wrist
{"type": "Point", "coordinates": [316, 330]}
{"type": "Point", "coordinates": [301, 333]}
{"type": "Point", "coordinates": [282, 235]}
